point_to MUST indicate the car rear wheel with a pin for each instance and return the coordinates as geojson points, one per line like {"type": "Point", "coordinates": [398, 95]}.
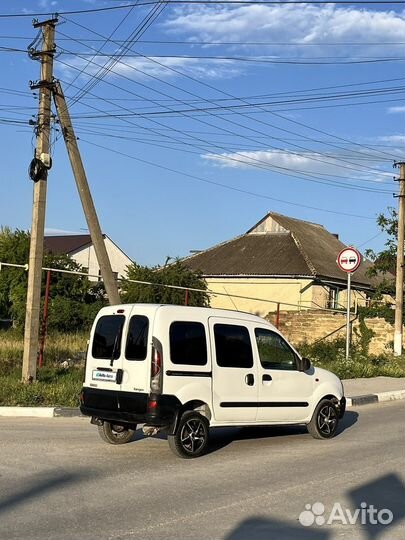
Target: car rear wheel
{"type": "Point", "coordinates": [115, 434]}
{"type": "Point", "coordinates": [324, 422]}
{"type": "Point", "coordinates": [191, 437]}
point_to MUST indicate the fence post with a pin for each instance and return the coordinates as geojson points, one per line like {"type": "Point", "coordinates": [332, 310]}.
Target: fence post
{"type": "Point", "coordinates": [278, 316]}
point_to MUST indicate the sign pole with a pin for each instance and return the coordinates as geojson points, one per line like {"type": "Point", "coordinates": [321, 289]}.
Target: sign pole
{"type": "Point", "coordinates": [348, 260]}
{"type": "Point", "coordinates": [349, 279]}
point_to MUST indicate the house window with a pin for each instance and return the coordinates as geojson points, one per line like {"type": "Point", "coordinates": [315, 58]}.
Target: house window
{"type": "Point", "coordinates": [333, 298]}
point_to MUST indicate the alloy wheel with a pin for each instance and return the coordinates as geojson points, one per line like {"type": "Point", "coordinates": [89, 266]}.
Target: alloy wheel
{"type": "Point", "coordinates": [327, 420]}
{"type": "Point", "coordinates": [193, 435]}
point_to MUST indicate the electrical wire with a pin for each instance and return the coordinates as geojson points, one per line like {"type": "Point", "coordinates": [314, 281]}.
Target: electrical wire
{"type": "Point", "coordinates": [256, 162]}
{"type": "Point", "coordinates": [312, 157]}
{"type": "Point", "coordinates": [201, 2]}
{"type": "Point", "coordinates": [225, 186]}
{"type": "Point", "coordinates": [205, 84]}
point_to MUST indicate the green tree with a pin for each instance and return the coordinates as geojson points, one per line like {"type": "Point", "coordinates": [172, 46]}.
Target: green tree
{"type": "Point", "coordinates": [384, 262]}
{"type": "Point", "coordinates": [176, 273]}
{"type": "Point", "coordinates": [73, 300]}
{"type": "Point", "coordinates": [14, 248]}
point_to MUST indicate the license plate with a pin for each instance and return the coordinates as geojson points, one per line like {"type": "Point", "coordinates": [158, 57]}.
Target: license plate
{"type": "Point", "coordinates": [107, 376]}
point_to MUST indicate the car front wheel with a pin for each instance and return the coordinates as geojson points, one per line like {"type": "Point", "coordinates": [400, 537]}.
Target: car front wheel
{"type": "Point", "coordinates": [324, 422]}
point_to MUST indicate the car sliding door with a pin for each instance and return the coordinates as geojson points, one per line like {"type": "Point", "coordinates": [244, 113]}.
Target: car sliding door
{"type": "Point", "coordinates": [234, 372]}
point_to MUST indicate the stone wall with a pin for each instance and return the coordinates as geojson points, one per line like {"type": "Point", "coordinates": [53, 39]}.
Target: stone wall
{"type": "Point", "coordinates": [310, 326]}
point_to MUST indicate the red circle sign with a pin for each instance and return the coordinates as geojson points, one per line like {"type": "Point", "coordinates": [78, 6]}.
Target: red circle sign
{"type": "Point", "coordinates": [349, 259]}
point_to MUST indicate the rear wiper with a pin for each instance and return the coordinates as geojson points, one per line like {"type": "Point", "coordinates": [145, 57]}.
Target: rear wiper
{"type": "Point", "coordinates": [115, 347]}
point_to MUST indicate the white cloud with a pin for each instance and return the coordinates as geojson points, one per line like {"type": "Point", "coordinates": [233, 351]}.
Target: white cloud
{"type": "Point", "coordinates": [303, 23]}
{"type": "Point", "coordinates": [398, 109]}
{"type": "Point", "coordinates": [309, 163]}
{"type": "Point", "coordinates": [141, 68]}
{"type": "Point", "coordinates": [393, 139]}
{"type": "Point", "coordinates": [47, 4]}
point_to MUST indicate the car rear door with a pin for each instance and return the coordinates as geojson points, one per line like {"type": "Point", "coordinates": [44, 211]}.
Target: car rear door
{"type": "Point", "coordinates": [104, 358]}
{"type": "Point", "coordinates": [234, 372]}
{"type": "Point", "coordinates": [136, 350]}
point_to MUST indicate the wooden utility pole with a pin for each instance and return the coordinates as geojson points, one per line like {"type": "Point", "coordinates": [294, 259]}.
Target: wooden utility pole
{"type": "Point", "coordinates": [399, 290]}
{"type": "Point", "coordinates": [85, 195]}
{"type": "Point", "coordinates": [39, 173]}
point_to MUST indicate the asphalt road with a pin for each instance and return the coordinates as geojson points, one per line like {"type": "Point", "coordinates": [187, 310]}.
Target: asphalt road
{"type": "Point", "coordinates": [59, 481]}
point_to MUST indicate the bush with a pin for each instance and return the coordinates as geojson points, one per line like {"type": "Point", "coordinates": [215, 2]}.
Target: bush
{"type": "Point", "coordinates": [331, 355]}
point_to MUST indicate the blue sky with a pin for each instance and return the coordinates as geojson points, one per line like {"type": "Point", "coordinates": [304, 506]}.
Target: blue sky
{"type": "Point", "coordinates": [214, 116]}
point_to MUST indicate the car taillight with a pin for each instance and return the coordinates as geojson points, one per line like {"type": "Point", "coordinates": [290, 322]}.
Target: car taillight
{"type": "Point", "coordinates": [156, 368]}
{"type": "Point", "coordinates": [156, 363]}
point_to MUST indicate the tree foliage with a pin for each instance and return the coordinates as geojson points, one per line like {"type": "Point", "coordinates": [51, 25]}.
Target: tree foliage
{"type": "Point", "coordinates": [176, 273]}
{"type": "Point", "coordinates": [384, 262]}
{"type": "Point", "coordinates": [73, 300]}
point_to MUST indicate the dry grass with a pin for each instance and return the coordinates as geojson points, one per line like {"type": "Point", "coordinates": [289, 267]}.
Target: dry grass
{"type": "Point", "coordinates": [55, 386]}
{"type": "Point", "coordinates": [58, 348]}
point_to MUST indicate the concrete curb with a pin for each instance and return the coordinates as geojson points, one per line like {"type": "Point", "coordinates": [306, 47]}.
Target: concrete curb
{"type": "Point", "coordinates": [380, 397]}
{"type": "Point", "coordinates": [70, 412]}
{"type": "Point", "coordinates": [40, 412]}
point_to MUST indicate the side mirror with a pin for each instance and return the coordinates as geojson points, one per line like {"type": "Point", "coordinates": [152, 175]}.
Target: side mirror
{"type": "Point", "coordinates": [304, 364]}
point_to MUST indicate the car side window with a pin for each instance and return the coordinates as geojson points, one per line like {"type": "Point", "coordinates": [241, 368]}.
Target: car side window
{"type": "Point", "coordinates": [274, 351]}
{"type": "Point", "coordinates": [233, 346]}
{"type": "Point", "coordinates": [188, 343]}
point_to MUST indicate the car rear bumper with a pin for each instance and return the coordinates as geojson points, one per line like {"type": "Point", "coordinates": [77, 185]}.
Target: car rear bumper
{"type": "Point", "coordinates": [129, 407]}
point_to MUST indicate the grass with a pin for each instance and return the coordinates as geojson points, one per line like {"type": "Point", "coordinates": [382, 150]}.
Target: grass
{"type": "Point", "coordinates": [55, 385]}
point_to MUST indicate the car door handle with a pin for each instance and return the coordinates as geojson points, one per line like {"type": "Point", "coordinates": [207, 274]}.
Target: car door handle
{"type": "Point", "coordinates": [250, 379]}
{"type": "Point", "coordinates": [267, 377]}
{"type": "Point", "coordinates": [119, 376]}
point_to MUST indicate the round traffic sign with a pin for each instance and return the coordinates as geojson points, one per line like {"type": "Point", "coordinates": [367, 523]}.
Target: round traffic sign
{"type": "Point", "coordinates": [349, 259]}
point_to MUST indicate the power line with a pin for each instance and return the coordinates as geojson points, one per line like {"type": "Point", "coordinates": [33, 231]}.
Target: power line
{"type": "Point", "coordinates": [305, 61]}
{"type": "Point", "coordinates": [256, 162]}
{"type": "Point", "coordinates": [109, 65]}
{"type": "Point", "coordinates": [102, 46]}
{"type": "Point", "coordinates": [202, 2]}
{"type": "Point", "coordinates": [219, 184]}
{"type": "Point", "coordinates": [214, 114]}
{"type": "Point", "coordinates": [174, 70]}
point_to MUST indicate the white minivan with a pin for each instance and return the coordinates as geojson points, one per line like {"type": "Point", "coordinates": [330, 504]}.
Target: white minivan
{"type": "Point", "coordinates": [185, 369]}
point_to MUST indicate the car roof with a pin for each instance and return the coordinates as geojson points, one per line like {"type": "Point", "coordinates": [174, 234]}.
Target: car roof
{"type": "Point", "coordinates": [205, 311]}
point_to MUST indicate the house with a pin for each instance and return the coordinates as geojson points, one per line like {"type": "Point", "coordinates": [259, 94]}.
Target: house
{"type": "Point", "coordinates": [80, 248]}
{"type": "Point", "coordinates": [280, 260]}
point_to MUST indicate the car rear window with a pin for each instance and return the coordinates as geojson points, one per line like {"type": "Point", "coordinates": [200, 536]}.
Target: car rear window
{"type": "Point", "coordinates": [137, 340]}
{"type": "Point", "coordinates": [188, 344]}
{"type": "Point", "coordinates": [107, 337]}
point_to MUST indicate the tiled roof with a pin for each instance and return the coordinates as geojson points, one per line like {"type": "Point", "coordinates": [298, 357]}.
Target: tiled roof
{"type": "Point", "coordinates": [292, 248]}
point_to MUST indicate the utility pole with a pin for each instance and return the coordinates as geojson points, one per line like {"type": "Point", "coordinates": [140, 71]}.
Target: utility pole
{"type": "Point", "coordinates": [39, 173]}
{"type": "Point", "coordinates": [399, 290]}
{"type": "Point", "coordinates": [85, 195]}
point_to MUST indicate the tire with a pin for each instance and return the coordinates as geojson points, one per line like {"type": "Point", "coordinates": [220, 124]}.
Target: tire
{"type": "Point", "coordinates": [114, 434]}
{"type": "Point", "coordinates": [324, 421]}
{"type": "Point", "coordinates": [191, 437]}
